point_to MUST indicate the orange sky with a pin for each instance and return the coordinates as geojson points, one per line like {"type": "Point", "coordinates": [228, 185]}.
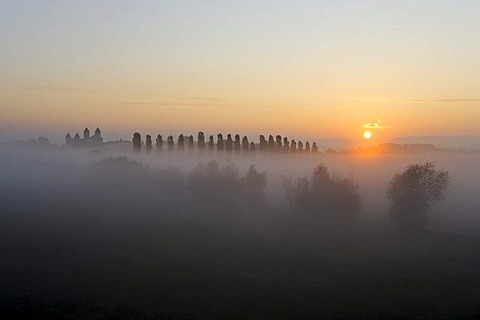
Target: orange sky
{"type": "Point", "coordinates": [312, 70]}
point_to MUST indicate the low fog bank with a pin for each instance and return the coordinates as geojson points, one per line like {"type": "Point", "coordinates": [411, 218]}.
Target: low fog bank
{"type": "Point", "coordinates": [109, 234]}
{"type": "Point", "coordinates": [72, 172]}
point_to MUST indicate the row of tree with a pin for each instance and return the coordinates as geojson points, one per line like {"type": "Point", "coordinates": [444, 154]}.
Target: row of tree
{"type": "Point", "coordinates": [277, 144]}
{"type": "Point", "coordinates": [326, 195]}
{"type": "Point", "coordinates": [412, 193]}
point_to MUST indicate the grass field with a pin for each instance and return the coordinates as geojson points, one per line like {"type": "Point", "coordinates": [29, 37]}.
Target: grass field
{"type": "Point", "coordinates": [88, 268]}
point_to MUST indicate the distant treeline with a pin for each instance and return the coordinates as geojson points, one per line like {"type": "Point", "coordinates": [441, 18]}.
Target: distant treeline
{"type": "Point", "coordinates": [236, 143]}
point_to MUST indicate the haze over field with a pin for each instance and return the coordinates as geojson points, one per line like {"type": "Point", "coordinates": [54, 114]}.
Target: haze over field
{"type": "Point", "coordinates": [242, 159]}
{"type": "Point", "coordinates": [90, 232]}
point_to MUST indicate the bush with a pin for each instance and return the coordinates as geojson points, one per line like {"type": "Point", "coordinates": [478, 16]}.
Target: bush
{"type": "Point", "coordinates": [419, 186]}
{"type": "Point", "coordinates": [325, 193]}
{"type": "Point", "coordinates": [253, 184]}
{"type": "Point", "coordinates": [210, 181]}
{"type": "Point", "coordinates": [414, 191]}
{"type": "Point", "coordinates": [119, 163]}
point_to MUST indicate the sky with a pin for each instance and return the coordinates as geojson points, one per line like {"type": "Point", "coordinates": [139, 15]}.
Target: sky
{"type": "Point", "coordinates": [306, 69]}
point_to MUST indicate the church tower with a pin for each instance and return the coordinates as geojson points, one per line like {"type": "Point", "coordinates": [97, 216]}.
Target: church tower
{"type": "Point", "coordinates": [86, 134]}
{"type": "Point", "coordinates": [68, 139]}
{"type": "Point", "coordinates": [98, 136]}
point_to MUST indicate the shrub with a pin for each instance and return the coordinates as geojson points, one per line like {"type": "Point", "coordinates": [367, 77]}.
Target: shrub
{"type": "Point", "coordinates": [253, 184]}
{"type": "Point", "coordinates": [414, 191]}
{"type": "Point", "coordinates": [418, 187]}
{"type": "Point", "coordinates": [325, 193]}
{"type": "Point", "coordinates": [210, 181]}
{"type": "Point", "coordinates": [119, 163]}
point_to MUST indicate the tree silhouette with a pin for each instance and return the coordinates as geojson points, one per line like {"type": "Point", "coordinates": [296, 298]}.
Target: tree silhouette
{"type": "Point", "coordinates": [181, 142]}
{"type": "Point", "coordinates": [220, 142]}
{"type": "Point", "coordinates": [278, 143]}
{"type": "Point", "coordinates": [159, 142]}
{"type": "Point", "coordinates": [211, 144]}
{"type": "Point", "coordinates": [254, 184]}
{"type": "Point", "coordinates": [414, 191]}
{"type": "Point", "coordinates": [214, 183]}
{"type": "Point", "coordinates": [201, 140]}
{"type": "Point", "coordinates": [271, 143]}
{"type": "Point", "coordinates": [148, 143]}
{"type": "Point", "coordinates": [237, 143]}
{"type": "Point", "coordinates": [307, 146]}
{"type": "Point", "coordinates": [300, 146]}
{"type": "Point", "coordinates": [252, 146]}
{"type": "Point", "coordinates": [263, 145]}
{"type": "Point", "coordinates": [314, 147]}
{"type": "Point", "coordinates": [286, 145]}
{"type": "Point", "coordinates": [229, 143]}
{"type": "Point", "coordinates": [170, 143]}
{"type": "Point", "coordinates": [137, 142]}
{"type": "Point", "coordinates": [330, 195]}
{"type": "Point", "coordinates": [245, 144]}
{"type": "Point", "coordinates": [190, 142]}
{"type": "Point", "coordinates": [293, 146]}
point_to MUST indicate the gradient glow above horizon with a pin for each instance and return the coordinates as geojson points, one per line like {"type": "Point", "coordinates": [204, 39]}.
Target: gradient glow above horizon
{"type": "Point", "coordinates": [297, 68]}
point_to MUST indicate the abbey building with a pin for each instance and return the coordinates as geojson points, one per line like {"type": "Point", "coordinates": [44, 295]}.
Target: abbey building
{"type": "Point", "coordinates": [87, 140]}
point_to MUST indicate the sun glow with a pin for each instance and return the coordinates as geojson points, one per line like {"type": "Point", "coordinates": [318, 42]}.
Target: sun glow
{"type": "Point", "coordinates": [367, 134]}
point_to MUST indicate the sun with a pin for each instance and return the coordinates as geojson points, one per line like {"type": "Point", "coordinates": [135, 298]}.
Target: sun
{"type": "Point", "coordinates": [367, 134]}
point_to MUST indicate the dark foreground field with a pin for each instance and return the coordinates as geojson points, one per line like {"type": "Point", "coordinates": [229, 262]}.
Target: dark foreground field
{"type": "Point", "coordinates": [87, 268]}
{"type": "Point", "coordinates": [133, 243]}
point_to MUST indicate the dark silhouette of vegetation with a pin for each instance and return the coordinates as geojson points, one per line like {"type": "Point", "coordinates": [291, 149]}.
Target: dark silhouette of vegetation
{"type": "Point", "coordinates": [300, 146]}
{"type": "Point", "coordinates": [229, 143]}
{"type": "Point", "coordinates": [170, 143]}
{"type": "Point", "coordinates": [191, 142]}
{"type": "Point", "coordinates": [181, 142]}
{"type": "Point", "coordinates": [211, 143]}
{"type": "Point", "coordinates": [413, 193]}
{"type": "Point", "coordinates": [271, 143]}
{"type": "Point", "coordinates": [201, 140]}
{"type": "Point", "coordinates": [220, 142]}
{"type": "Point", "coordinates": [137, 142]}
{"type": "Point", "coordinates": [119, 163]}
{"type": "Point", "coordinates": [253, 184]}
{"type": "Point", "coordinates": [286, 145]}
{"type": "Point", "coordinates": [324, 194]}
{"type": "Point", "coordinates": [237, 144]}
{"type": "Point", "coordinates": [215, 185]}
{"type": "Point", "coordinates": [278, 143]}
{"type": "Point", "coordinates": [148, 143]}
{"type": "Point", "coordinates": [314, 147]}
{"type": "Point", "coordinates": [159, 142]}
{"type": "Point", "coordinates": [245, 143]}
{"type": "Point", "coordinates": [263, 144]}
{"type": "Point", "coordinates": [212, 183]}
{"type": "Point", "coordinates": [293, 146]}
